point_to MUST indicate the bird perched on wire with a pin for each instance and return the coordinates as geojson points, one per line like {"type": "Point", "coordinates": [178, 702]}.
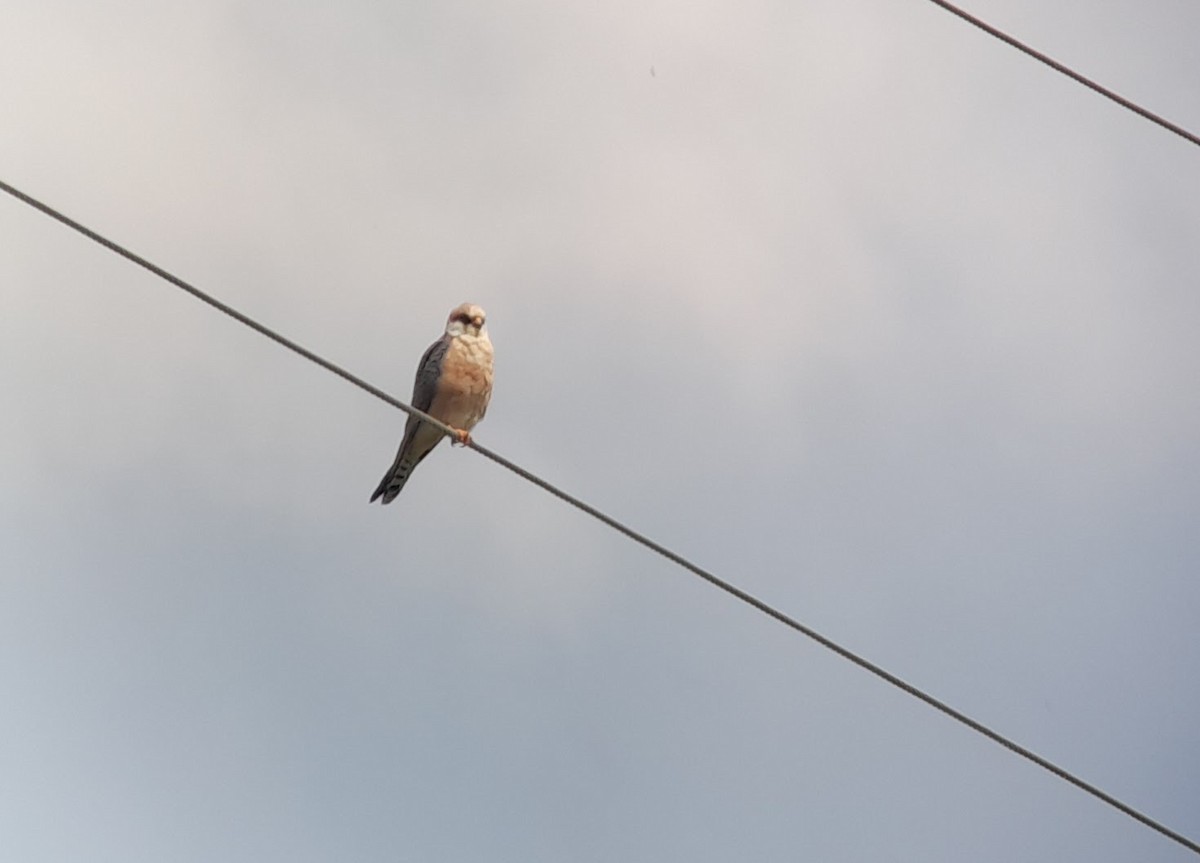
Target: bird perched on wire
{"type": "Point", "coordinates": [454, 385]}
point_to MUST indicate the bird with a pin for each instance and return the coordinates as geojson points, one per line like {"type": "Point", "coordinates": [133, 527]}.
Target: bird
{"type": "Point", "coordinates": [454, 385]}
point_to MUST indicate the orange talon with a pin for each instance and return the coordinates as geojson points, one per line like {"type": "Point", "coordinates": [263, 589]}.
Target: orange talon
{"type": "Point", "coordinates": [461, 437]}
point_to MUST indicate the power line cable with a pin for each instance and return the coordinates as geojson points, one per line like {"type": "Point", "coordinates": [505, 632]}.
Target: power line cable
{"type": "Point", "coordinates": [1070, 73]}
{"type": "Point", "coordinates": [629, 532]}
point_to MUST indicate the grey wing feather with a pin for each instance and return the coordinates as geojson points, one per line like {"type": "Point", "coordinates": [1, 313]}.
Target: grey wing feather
{"type": "Point", "coordinates": [428, 372]}
{"type": "Point", "coordinates": [424, 390]}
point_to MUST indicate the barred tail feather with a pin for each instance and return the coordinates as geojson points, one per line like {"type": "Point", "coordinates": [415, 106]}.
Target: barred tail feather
{"type": "Point", "coordinates": [406, 459]}
{"type": "Point", "coordinates": [419, 440]}
{"type": "Point", "coordinates": [393, 481]}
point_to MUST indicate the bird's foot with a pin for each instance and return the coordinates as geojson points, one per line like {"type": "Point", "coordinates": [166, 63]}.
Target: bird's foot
{"type": "Point", "coordinates": [461, 437]}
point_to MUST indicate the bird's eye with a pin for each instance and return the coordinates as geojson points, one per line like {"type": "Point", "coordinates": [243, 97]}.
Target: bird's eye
{"type": "Point", "coordinates": [463, 319]}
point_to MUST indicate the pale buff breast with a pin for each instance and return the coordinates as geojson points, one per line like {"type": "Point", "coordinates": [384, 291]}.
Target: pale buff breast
{"type": "Point", "coordinates": [465, 384]}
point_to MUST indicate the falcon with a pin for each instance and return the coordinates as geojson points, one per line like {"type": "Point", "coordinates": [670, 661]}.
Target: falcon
{"type": "Point", "coordinates": [454, 385]}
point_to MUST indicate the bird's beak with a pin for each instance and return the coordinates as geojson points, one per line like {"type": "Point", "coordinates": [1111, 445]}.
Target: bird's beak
{"type": "Point", "coordinates": [478, 322]}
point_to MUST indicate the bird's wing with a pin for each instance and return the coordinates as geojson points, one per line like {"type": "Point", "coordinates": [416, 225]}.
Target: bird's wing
{"type": "Point", "coordinates": [429, 371]}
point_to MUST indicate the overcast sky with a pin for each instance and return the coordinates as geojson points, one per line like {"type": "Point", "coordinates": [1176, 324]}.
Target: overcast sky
{"type": "Point", "coordinates": [857, 307]}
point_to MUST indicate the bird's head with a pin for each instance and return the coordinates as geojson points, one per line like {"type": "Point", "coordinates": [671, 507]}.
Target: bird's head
{"type": "Point", "coordinates": [467, 319]}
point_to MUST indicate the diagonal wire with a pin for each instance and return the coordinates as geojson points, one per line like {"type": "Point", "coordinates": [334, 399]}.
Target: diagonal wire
{"type": "Point", "coordinates": [616, 525]}
{"type": "Point", "coordinates": [1070, 73]}
{"type": "Point", "coordinates": [225, 309]}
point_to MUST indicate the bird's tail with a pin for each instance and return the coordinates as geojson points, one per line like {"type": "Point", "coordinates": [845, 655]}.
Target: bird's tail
{"type": "Point", "coordinates": [409, 456]}
{"type": "Point", "coordinates": [419, 440]}
{"type": "Point", "coordinates": [393, 481]}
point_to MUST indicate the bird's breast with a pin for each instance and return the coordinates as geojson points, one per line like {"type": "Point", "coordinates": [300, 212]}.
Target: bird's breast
{"type": "Point", "coordinates": [465, 384]}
